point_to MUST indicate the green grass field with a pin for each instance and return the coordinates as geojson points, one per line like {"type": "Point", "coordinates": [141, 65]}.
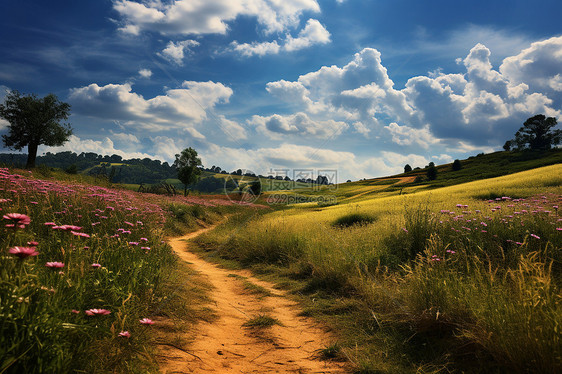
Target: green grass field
{"type": "Point", "coordinates": [464, 278]}
{"type": "Point", "coordinates": [460, 274]}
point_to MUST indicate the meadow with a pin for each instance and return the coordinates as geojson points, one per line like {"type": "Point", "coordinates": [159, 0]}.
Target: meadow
{"type": "Point", "coordinates": [84, 269]}
{"type": "Point", "coordinates": [464, 278]}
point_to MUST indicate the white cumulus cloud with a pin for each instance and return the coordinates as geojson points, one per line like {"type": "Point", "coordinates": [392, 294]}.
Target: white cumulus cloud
{"type": "Point", "coordinates": [180, 108]}
{"type": "Point", "coordinates": [277, 126]}
{"type": "Point", "coordinates": [313, 33]}
{"type": "Point", "coordinates": [479, 107]}
{"type": "Point", "coordinates": [145, 73]}
{"type": "Point", "coordinates": [185, 17]}
{"type": "Point", "coordinates": [175, 52]}
{"type": "Point", "coordinates": [256, 48]}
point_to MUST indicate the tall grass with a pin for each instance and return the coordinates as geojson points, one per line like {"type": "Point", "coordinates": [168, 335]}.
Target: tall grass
{"type": "Point", "coordinates": [84, 315]}
{"type": "Point", "coordinates": [441, 280]}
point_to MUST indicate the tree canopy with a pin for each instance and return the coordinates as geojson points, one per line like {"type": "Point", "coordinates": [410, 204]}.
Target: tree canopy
{"type": "Point", "coordinates": [431, 172]}
{"type": "Point", "coordinates": [187, 164]}
{"type": "Point", "coordinates": [34, 121]}
{"type": "Point", "coordinates": [537, 133]}
{"type": "Point", "coordinates": [457, 165]}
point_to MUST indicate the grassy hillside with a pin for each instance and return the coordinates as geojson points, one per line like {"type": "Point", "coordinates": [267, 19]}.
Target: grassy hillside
{"type": "Point", "coordinates": [473, 169]}
{"type": "Point", "coordinates": [464, 278]}
{"type": "Point", "coordinates": [84, 269]}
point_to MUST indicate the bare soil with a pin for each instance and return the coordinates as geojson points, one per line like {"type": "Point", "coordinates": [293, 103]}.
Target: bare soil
{"type": "Point", "coordinates": [226, 346]}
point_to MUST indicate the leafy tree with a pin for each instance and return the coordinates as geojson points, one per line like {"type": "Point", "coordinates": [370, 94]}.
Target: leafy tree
{"type": "Point", "coordinates": [407, 168]}
{"type": "Point", "coordinates": [255, 188]}
{"type": "Point", "coordinates": [507, 145]}
{"type": "Point", "coordinates": [537, 133]}
{"type": "Point", "coordinates": [457, 165]}
{"type": "Point", "coordinates": [187, 164]}
{"type": "Point", "coordinates": [34, 121]}
{"type": "Point", "coordinates": [431, 172]}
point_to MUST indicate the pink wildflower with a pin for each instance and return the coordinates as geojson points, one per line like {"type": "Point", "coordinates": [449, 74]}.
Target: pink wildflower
{"type": "Point", "coordinates": [146, 321]}
{"type": "Point", "coordinates": [54, 265]}
{"type": "Point", "coordinates": [97, 312]}
{"type": "Point", "coordinates": [125, 334]}
{"type": "Point", "coordinates": [535, 236]}
{"type": "Point", "coordinates": [23, 252]}
{"type": "Point", "coordinates": [82, 234]}
{"type": "Point", "coordinates": [33, 243]}
{"type": "Point", "coordinates": [96, 265]}
{"type": "Point", "coordinates": [75, 311]}
{"type": "Point", "coordinates": [19, 220]}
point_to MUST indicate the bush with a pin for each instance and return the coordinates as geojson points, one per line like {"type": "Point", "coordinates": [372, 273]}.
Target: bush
{"type": "Point", "coordinates": [354, 219]}
{"type": "Point", "coordinates": [457, 165]}
{"type": "Point", "coordinates": [431, 172]}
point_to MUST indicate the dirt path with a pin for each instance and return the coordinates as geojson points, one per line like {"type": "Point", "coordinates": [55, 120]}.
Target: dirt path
{"type": "Point", "coordinates": [226, 346]}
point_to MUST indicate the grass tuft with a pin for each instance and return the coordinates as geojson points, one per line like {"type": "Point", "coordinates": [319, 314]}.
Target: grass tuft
{"type": "Point", "coordinates": [262, 321]}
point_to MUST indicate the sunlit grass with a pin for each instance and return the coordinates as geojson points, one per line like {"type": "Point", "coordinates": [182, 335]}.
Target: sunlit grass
{"type": "Point", "coordinates": [463, 277]}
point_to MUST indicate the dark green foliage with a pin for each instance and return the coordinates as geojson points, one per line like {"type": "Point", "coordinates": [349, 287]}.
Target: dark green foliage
{"type": "Point", "coordinates": [507, 146]}
{"type": "Point", "coordinates": [72, 169]}
{"type": "Point", "coordinates": [407, 168]}
{"type": "Point", "coordinates": [187, 163]}
{"type": "Point", "coordinates": [457, 165]}
{"type": "Point", "coordinates": [255, 188]}
{"type": "Point", "coordinates": [354, 219]}
{"type": "Point", "coordinates": [431, 172]}
{"type": "Point", "coordinates": [537, 133]}
{"type": "Point", "coordinates": [34, 121]}
{"type": "Point", "coordinates": [211, 185]}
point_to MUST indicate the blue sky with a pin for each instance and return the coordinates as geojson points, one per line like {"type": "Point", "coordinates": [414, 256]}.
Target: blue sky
{"type": "Point", "coordinates": [363, 87]}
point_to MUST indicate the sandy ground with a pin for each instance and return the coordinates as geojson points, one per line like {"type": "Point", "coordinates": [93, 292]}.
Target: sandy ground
{"type": "Point", "coordinates": [226, 346]}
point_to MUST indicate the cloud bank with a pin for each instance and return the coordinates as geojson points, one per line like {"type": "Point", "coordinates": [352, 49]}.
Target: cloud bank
{"type": "Point", "coordinates": [482, 106]}
{"type": "Point", "coordinates": [195, 17]}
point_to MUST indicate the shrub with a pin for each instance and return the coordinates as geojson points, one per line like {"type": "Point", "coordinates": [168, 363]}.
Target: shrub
{"type": "Point", "coordinates": [431, 172]}
{"type": "Point", "coordinates": [457, 165]}
{"type": "Point", "coordinates": [354, 219]}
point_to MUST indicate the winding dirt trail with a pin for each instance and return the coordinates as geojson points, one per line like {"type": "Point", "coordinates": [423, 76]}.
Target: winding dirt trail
{"type": "Point", "coordinates": [226, 346]}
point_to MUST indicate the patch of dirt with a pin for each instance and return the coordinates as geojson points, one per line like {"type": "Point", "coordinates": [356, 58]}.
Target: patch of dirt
{"type": "Point", "coordinates": [226, 346]}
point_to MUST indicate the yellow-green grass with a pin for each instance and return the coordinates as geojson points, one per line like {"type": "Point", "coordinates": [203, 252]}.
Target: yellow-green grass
{"type": "Point", "coordinates": [490, 302]}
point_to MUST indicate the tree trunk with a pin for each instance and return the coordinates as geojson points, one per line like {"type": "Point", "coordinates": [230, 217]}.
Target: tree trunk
{"type": "Point", "coordinates": [31, 155]}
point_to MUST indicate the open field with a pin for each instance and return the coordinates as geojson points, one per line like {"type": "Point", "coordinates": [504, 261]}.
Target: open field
{"type": "Point", "coordinates": [460, 278]}
{"type": "Point", "coordinates": [410, 278]}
